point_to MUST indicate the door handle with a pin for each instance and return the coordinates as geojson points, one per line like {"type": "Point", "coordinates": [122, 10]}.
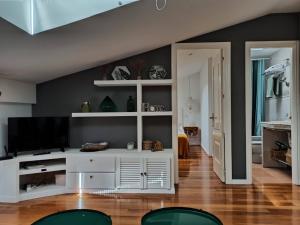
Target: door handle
{"type": "Point", "coordinates": [212, 117]}
{"type": "Point", "coordinates": [91, 160]}
{"type": "Point", "coordinates": [145, 174]}
{"type": "Point", "coordinates": [91, 177]}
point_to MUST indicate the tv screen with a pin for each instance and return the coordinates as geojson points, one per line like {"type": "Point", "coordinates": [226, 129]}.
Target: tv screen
{"type": "Point", "coordinates": [37, 133]}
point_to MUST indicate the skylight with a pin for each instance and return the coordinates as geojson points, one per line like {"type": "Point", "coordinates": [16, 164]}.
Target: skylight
{"type": "Point", "coordinates": [35, 16]}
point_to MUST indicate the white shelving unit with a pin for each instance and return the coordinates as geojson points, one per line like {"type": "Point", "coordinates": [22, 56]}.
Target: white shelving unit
{"type": "Point", "coordinates": [29, 166]}
{"type": "Point", "coordinates": [44, 169]}
{"type": "Point", "coordinates": [139, 114]}
{"type": "Point", "coordinates": [42, 191]}
{"type": "Point", "coordinates": [128, 83]}
{"type": "Point", "coordinates": [105, 114]}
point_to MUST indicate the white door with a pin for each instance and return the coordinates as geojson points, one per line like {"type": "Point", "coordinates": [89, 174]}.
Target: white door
{"type": "Point", "coordinates": [157, 173]}
{"type": "Point", "coordinates": [217, 119]}
{"type": "Point", "coordinates": [130, 173]}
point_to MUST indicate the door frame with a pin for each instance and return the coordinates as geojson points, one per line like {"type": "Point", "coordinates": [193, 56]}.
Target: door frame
{"type": "Point", "coordinates": [295, 101]}
{"type": "Point", "coordinates": [226, 49]}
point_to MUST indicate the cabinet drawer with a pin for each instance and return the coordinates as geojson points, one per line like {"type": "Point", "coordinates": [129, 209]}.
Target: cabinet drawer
{"type": "Point", "coordinates": [90, 164]}
{"type": "Point", "coordinates": [91, 180]}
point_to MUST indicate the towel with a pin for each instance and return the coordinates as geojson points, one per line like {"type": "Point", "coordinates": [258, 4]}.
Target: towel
{"type": "Point", "coordinates": [277, 86]}
{"type": "Point", "coordinates": [269, 88]}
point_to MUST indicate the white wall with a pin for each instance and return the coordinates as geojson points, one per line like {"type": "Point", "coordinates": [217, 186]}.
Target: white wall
{"type": "Point", "coordinates": [15, 101]}
{"type": "Point", "coordinates": [204, 107]}
{"type": "Point", "coordinates": [11, 110]}
{"type": "Point", "coordinates": [278, 108]}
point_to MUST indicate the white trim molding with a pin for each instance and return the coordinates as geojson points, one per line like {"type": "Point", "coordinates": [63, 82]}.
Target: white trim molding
{"type": "Point", "coordinates": [226, 49]}
{"type": "Point", "coordinates": [295, 101]}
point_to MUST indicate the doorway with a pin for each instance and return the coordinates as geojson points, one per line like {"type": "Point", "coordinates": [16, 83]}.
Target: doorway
{"type": "Point", "coordinates": [202, 72]}
{"type": "Point", "coordinates": [271, 112]}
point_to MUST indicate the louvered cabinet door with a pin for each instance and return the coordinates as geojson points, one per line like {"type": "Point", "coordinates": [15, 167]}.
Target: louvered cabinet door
{"type": "Point", "coordinates": [129, 173]}
{"type": "Point", "coordinates": [157, 174]}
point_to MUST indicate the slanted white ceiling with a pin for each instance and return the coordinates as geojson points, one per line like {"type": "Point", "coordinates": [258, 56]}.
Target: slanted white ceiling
{"type": "Point", "coordinates": [120, 33]}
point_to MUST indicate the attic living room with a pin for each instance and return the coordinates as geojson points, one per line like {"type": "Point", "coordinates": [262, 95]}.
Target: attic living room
{"type": "Point", "coordinates": [95, 108]}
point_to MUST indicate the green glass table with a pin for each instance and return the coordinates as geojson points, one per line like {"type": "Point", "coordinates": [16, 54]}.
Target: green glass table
{"type": "Point", "coordinates": [76, 217]}
{"type": "Point", "coordinates": [179, 216]}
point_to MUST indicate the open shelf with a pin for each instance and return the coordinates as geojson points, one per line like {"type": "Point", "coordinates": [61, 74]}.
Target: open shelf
{"type": "Point", "coordinates": [116, 83]}
{"type": "Point", "coordinates": [166, 82]}
{"type": "Point", "coordinates": [105, 114]}
{"type": "Point", "coordinates": [167, 113]}
{"type": "Point", "coordinates": [44, 169]}
{"type": "Point", "coordinates": [42, 191]}
{"type": "Point", "coordinates": [112, 83]}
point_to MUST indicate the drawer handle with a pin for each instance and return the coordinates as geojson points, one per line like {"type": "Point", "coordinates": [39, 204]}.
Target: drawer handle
{"type": "Point", "coordinates": [91, 177]}
{"type": "Point", "coordinates": [91, 160]}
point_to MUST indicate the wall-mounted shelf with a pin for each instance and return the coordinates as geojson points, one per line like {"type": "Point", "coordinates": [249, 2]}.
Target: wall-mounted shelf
{"type": "Point", "coordinates": [167, 113]}
{"type": "Point", "coordinates": [116, 83]}
{"type": "Point", "coordinates": [105, 114]}
{"type": "Point", "coordinates": [156, 92]}
{"type": "Point", "coordinates": [167, 82]}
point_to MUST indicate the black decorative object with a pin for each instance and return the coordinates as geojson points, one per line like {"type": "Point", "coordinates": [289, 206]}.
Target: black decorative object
{"type": "Point", "coordinates": [121, 73]}
{"type": "Point", "coordinates": [107, 105]}
{"type": "Point", "coordinates": [157, 72]}
{"type": "Point", "coordinates": [130, 104]}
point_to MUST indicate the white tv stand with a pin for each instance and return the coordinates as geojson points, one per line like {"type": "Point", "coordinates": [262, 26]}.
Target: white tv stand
{"type": "Point", "coordinates": [110, 171]}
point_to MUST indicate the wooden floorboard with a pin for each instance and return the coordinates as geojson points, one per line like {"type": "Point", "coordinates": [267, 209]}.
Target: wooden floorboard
{"type": "Point", "coordinates": [199, 188]}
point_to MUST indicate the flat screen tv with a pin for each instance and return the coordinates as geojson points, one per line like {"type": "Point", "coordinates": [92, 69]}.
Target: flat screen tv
{"type": "Point", "coordinates": [37, 134]}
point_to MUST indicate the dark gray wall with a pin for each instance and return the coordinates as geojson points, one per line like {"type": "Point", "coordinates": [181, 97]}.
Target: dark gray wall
{"type": "Point", "coordinates": [268, 28]}
{"type": "Point", "coordinates": [63, 96]}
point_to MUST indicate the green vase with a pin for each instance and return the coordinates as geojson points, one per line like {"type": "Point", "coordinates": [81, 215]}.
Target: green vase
{"type": "Point", "coordinates": [107, 105]}
{"type": "Point", "coordinates": [86, 107]}
{"type": "Point", "coordinates": [130, 104]}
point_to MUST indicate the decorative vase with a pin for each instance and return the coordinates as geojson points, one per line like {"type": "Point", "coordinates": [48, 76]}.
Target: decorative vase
{"type": "Point", "coordinates": [86, 107]}
{"type": "Point", "coordinates": [107, 105]}
{"type": "Point", "coordinates": [130, 105]}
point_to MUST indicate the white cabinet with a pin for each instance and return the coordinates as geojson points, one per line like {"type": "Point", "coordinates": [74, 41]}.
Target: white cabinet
{"type": "Point", "coordinates": [88, 171]}
{"type": "Point", "coordinates": [113, 170]}
{"type": "Point", "coordinates": [90, 163]}
{"type": "Point", "coordinates": [144, 173]}
{"type": "Point", "coordinates": [78, 181]}
{"type": "Point", "coordinates": [12, 91]}
{"type": "Point", "coordinates": [157, 173]}
{"type": "Point", "coordinates": [9, 181]}
{"type": "Point", "coordinates": [129, 173]}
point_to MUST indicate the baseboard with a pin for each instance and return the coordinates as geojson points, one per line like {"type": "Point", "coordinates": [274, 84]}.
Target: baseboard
{"type": "Point", "coordinates": [238, 182]}
{"type": "Point", "coordinates": [8, 199]}
{"type": "Point", "coordinates": [206, 151]}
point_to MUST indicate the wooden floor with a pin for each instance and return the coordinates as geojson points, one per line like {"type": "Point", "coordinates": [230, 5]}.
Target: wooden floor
{"type": "Point", "coordinates": [198, 188]}
{"type": "Point", "coordinates": [263, 175]}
